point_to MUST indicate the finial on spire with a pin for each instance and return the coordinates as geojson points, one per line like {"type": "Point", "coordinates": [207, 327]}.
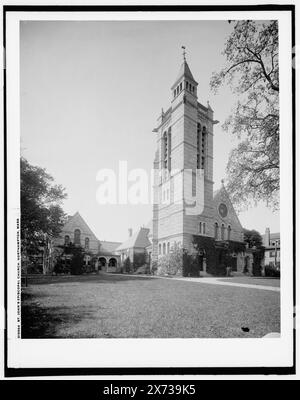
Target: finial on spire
{"type": "Point", "coordinates": [183, 53]}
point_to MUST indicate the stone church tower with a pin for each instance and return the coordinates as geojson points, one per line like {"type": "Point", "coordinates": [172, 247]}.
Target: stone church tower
{"type": "Point", "coordinates": [183, 183]}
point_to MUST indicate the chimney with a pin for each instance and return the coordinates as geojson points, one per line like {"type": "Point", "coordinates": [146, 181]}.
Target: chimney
{"type": "Point", "coordinates": [267, 237]}
{"type": "Point", "coordinates": [130, 232]}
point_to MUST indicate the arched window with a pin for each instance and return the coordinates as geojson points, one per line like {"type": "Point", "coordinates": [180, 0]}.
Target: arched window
{"type": "Point", "coordinates": [165, 150]}
{"type": "Point", "coordinates": [67, 240]}
{"type": "Point", "coordinates": [186, 84]}
{"type": "Point", "coordinates": [86, 243]}
{"type": "Point", "coordinates": [164, 248]}
{"type": "Point", "coordinates": [228, 232]}
{"type": "Point", "coordinates": [200, 227]}
{"type": "Point", "coordinates": [204, 228]}
{"type": "Point", "coordinates": [180, 87]}
{"type": "Point", "coordinates": [77, 236]}
{"type": "Point", "coordinates": [169, 149]}
{"type": "Point", "coordinates": [203, 147]}
{"type": "Point", "coordinates": [216, 230]}
{"type": "Point", "coordinates": [222, 232]}
{"type": "Point", "coordinates": [198, 144]}
{"type": "Point", "coordinates": [159, 249]}
{"type": "Point", "coordinates": [168, 247]}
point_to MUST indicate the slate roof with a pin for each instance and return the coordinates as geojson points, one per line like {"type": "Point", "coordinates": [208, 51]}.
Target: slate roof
{"type": "Point", "coordinates": [138, 239]}
{"type": "Point", "coordinates": [184, 71]}
{"type": "Point", "coordinates": [108, 247]}
{"type": "Point", "coordinates": [77, 219]}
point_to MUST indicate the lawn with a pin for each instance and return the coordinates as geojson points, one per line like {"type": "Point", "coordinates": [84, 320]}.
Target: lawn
{"type": "Point", "coordinates": [115, 306]}
{"type": "Point", "coordinates": [253, 280]}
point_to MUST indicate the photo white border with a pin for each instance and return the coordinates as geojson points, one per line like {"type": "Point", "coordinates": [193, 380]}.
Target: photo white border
{"type": "Point", "coordinates": [98, 353]}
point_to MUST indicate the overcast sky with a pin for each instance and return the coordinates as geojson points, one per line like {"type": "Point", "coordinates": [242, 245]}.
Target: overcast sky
{"type": "Point", "coordinates": [91, 93]}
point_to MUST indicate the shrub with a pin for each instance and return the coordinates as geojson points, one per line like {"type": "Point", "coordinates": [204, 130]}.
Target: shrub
{"type": "Point", "coordinates": [77, 267]}
{"type": "Point", "coordinates": [34, 268]}
{"type": "Point", "coordinates": [154, 267]}
{"type": "Point", "coordinates": [163, 265]}
{"type": "Point", "coordinates": [139, 259]}
{"type": "Point", "coordinates": [127, 265]}
{"type": "Point", "coordinates": [272, 270]}
{"type": "Point", "coordinates": [144, 269]}
{"type": "Point", "coordinates": [171, 264]}
{"type": "Point", "coordinates": [190, 265]}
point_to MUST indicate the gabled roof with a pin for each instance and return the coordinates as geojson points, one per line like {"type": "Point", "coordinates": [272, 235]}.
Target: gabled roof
{"type": "Point", "coordinates": [138, 239]}
{"type": "Point", "coordinates": [222, 195]}
{"type": "Point", "coordinates": [108, 247]}
{"type": "Point", "coordinates": [78, 221]}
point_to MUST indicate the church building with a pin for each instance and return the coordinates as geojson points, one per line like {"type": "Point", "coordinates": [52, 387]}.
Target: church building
{"type": "Point", "coordinates": [77, 232]}
{"type": "Point", "coordinates": [183, 162]}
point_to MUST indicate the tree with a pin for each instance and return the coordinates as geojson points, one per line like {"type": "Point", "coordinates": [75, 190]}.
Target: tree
{"type": "Point", "coordinates": [42, 216]}
{"type": "Point", "coordinates": [252, 71]}
{"type": "Point", "coordinates": [253, 238]}
{"type": "Point", "coordinates": [77, 260]}
{"type": "Point", "coordinates": [127, 265]}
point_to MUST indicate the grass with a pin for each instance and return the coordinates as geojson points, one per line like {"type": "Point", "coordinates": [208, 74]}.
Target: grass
{"type": "Point", "coordinates": [114, 306]}
{"type": "Point", "coordinates": [253, 280]}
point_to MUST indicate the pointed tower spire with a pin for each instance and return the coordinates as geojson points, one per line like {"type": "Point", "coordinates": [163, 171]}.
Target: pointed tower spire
{"type": "Point", "coordinates": [185, 85]}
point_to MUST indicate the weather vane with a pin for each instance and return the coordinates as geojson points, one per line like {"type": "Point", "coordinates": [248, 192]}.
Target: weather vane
{"type": "Point", "coordinates": [184, 52]}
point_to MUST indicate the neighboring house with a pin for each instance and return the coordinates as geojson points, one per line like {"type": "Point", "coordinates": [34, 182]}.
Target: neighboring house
{"type": "Point", "coordinates": [77, 231]}
{"type": "Point", "coordinates": [136, 243]}
{"type": "Point", "coordinates": [271, 242]}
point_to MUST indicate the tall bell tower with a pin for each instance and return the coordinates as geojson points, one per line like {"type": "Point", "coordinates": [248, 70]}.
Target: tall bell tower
{"type": "Point", "coordinates": [183, 182]}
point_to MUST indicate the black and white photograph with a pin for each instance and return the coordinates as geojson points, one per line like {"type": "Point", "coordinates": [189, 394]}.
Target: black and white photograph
{"type": "Point", "coordinates": [150, 189]}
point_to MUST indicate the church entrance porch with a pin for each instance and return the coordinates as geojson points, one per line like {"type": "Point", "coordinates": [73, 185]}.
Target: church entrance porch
{"type": "Point", "coordinates": [112, 265]}
{"type": "Point", "coordinates": [108, 263]}
{"type": "Point", "coordinates": [102, 263]}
